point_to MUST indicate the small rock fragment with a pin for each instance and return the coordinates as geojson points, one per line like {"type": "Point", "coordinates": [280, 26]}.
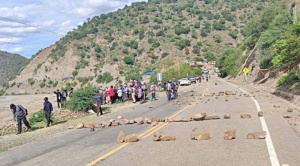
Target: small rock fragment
{"type": "Point", "coordinates": [211, 117]}
{"type": "Point", "coordinates": [79, 125]}
{"type": "Point", "coordinates": [121, 137]}
{"type": "Point", "coordinates": [167, 138]}
{"type": "Point", "coordinates": [287, 116]}
{"type": "Point", "coordinates": [120, 117]}
{"type": "Point", "coordinates": [227, 116]}
{"type": "Point", "coordinates": [200, 136]}
{"type": "Point", "coordinates": [71, 127]}
{"type": "Point", "coordinates": [139, 121]}
{"type": "Point", "coordinates": [260, 114]}
{"type": "Point", "coordinates": [131, 138]}
{"type": "Point", "coordinates": [154, 124]}
{"type": "Point", "coordinates": [290, 110]}
{"type": "Point", "coordinates": [199, 116]}
{"type": "Point", "coordinates": [245, 116]}
{"type": "Point", "coordinates": [229, 134]}
{"type": "Point", "coordinates": [257, 135]}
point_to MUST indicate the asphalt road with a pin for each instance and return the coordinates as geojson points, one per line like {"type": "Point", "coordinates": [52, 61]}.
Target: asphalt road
{"type": "Point", "coordinates": [82, 147]}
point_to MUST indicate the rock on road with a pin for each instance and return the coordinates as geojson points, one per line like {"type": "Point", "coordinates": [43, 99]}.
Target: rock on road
{"type": "Point", "coordinates": [82, 147]}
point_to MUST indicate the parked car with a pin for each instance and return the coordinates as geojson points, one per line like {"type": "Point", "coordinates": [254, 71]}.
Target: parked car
{"type": "Point", "coordinates": [184, 81]}
{"type": "Point", "coordinates": [192, 79]}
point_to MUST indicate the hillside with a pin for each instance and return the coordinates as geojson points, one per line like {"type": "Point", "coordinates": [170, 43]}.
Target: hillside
{"type": "Point", "coordinates": [10, 65]}
{"type": "Point", "coordinates": [153, 36]}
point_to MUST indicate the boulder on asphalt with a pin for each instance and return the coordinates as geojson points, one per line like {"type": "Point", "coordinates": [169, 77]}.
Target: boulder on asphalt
{"type": "Point", "coordinates": [139, 121]}
{"type": "Point", "coordinates": [131, 122]}
{"type": "Point", "coordinates": [229, 134]}
{"type": "Point", "coordinates": [167, 138]}
{"type": "Point", "coordinates": [221, 93]}
{"type": "Point", "coordinates": [147, 120]}
{"type": "Point", "coordinates": [154, 124]}
{"type": "Point", "coordinates": [131, 138]}
{"type": "Point", "coordinates": [155, 119]}
{"type": "Point", "coordinates": [71, 127]}
{"type": "Point", "coordinates": [112, 120]}
{"type": "Point", "coordinates": [115, 123]}
{"type": "Point", "coordinates": [125, 122]}
{"type": "Point", "coordinates": [229, 93]}
{"type": "Point", "coordinates": [227, 116]}
{"type": "Point", "coordinates": [212, 117]}
{"type": "Point", "coordinates": [200, 136]}
{"type": "Point", "coordinates": [290, 110]}
{"type": "Point", "coordinates": [121, 137]}
{"type": "Point", "coordinates": [245, 116]}
{"type": "Point", "coordinates": [79, 125]}
{"type": "Point", "coordinates": [106, 124]}
{"type": "Point", "coordinates": [177, 119]}
{"type": "Point", "coordinates": [287, 116]}
{"type": "Point", "coordinates": [120, 117]}
{"type": "Point", "coordinates": [90, 125]}
{"type": "Point", "coordinates": [199, 116]}
{"type": "Point", "coordinates": [186, 119]}
{"type": "Point", "coordinates": [260, 114]}
{"type": "Point", "coordinates": [257, 135]}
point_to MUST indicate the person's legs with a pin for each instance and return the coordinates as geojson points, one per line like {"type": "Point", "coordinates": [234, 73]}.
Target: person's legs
{"type": "Point", "coordinates": [58, 104]}
{"type": "Point", "coordinates": [133, 98]}
{"type": "Point", "coordinates": [47, 116]}
{"type": "Point", "coordinates": [26, 123]}
{"type": "Point", "coordinates": [98, 109]}
{"type": "Point", "coordinates": [19, 121]}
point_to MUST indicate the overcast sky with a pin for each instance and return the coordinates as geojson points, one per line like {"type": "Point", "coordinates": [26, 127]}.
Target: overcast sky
{"type": "Point", "coordinates": [59, 17]}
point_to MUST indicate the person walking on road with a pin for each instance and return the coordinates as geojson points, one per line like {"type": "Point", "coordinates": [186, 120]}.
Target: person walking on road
{"type": "Point", "coordinates": [133, 93]}
{"type": "Point", "coordinates": [112, 94]}
{"type": "Point", "coordinates": [19, 114]}
{"type": "Point", "coordinates": [58, 98]}
{"type": "Point", "coordinates": [48, 108]}
{"type": "Point", "coordinates": [169, 90]}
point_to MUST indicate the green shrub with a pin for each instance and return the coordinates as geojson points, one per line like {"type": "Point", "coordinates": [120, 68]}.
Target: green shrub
{"type": "Point", "coordinates": [31, 81]}
{"type": "Point", "coordinates": [2, 92]}
{"type": "Point", "coordinates": [128, 60]}
{"type": "Point", "coordinates": [75, 73]}
{"type": "Point", "coordinates": [55, 84]}
{"type": "Point", "coordinates": [42, 84]}
{"type": "Point", "coordinates": [104, 78]}
{"type": "Point", "coordinates": [37, 117]}
{"type": "Point", "coordinates": [12, 84]}
{"type": "Point", "coordinates": [291, 78]}
{"type": "Point", "coordinates": [82, 98]}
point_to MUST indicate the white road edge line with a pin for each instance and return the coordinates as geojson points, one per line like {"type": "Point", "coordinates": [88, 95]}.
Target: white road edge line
{"type": "Point", "coordinates": [270, 146]}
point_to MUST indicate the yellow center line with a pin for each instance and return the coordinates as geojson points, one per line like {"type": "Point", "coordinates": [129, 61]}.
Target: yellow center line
{"type": "Point", "coordinates": [143, 135]}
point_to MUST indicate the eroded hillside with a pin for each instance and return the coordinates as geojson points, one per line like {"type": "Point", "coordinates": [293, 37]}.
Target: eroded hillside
{"type": "Point", "coordinates": [114, 47]}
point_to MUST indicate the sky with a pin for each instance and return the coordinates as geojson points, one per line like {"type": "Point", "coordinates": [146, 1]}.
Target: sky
{"type": "Point", "coordinates": [27, 26]}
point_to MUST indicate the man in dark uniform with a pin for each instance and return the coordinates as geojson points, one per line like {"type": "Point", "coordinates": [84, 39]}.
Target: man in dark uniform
{"type": "Point", "coordinates": [58, 98]}
{"type": "Point", "coordinates": [19, 113]}
{"type": "Point", "coordinates": [48, 108]}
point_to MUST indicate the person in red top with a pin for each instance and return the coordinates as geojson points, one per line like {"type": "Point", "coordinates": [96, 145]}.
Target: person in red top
{"type": "Point", "coordinates": [111, 94]}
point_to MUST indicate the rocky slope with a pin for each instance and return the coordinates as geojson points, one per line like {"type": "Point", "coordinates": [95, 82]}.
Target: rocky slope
{"type": "Point", "coordinates": [114, 47]}
{"type": "Point", "coordinates": [10, 65]}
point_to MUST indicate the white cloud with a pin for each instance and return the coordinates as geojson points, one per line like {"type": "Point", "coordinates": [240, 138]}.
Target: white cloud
{"type": "Point", "coordinates": [17, 30]}
{"type": "Point", "coordinates": [16, 50]}
{"type": "Point", "coordinates": [10, 39]}
{"type": "Point", "coordinates": [56, 17]}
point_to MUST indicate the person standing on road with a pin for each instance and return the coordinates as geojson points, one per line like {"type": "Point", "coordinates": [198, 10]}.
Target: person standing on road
{"type": "Point", "coordinates": [111, 94]}
{"type": "Point", "coordinates": [169, 90]}
{"type": "Point", "coordinates": [133, 93]}
{"type": "Point", "coordinates": [153, 91]}
{"type": "Point", "coordinates": [19, 114]}
{"type": "Point", "coordinates": [99, 101]}
{"type": "Point", "coordinates": [58, 98]}
{"type": "Point", "coordinates": [48, 108]}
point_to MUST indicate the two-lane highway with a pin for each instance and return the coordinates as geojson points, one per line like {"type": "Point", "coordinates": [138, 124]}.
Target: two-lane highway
{"type": "Point", "coordinates": [81, 147]}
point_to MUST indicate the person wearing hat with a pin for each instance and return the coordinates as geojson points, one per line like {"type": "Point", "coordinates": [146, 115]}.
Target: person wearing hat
{"type": "Point", "coordinates": [48, 108]}
{"type": "Point", "coordinates": [19, 113]}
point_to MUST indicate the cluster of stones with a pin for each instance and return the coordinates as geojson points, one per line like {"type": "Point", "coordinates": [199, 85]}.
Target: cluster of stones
{"type": "Point", "coordinates": [10, 128]}
{"type": "Point", "coordinates": [111, 123]}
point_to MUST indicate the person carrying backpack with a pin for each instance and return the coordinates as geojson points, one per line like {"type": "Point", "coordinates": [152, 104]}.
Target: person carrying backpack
{"type": "Point", "coordinates": [48, 108]}
{"type": "Point", "coordinates": [19, 114]}
{"type": "Point", "coordinates": [64, 95]}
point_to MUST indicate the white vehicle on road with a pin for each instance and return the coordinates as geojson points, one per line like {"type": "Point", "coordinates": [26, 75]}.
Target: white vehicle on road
{"type": "Point", "coordinates": [184, 81]}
